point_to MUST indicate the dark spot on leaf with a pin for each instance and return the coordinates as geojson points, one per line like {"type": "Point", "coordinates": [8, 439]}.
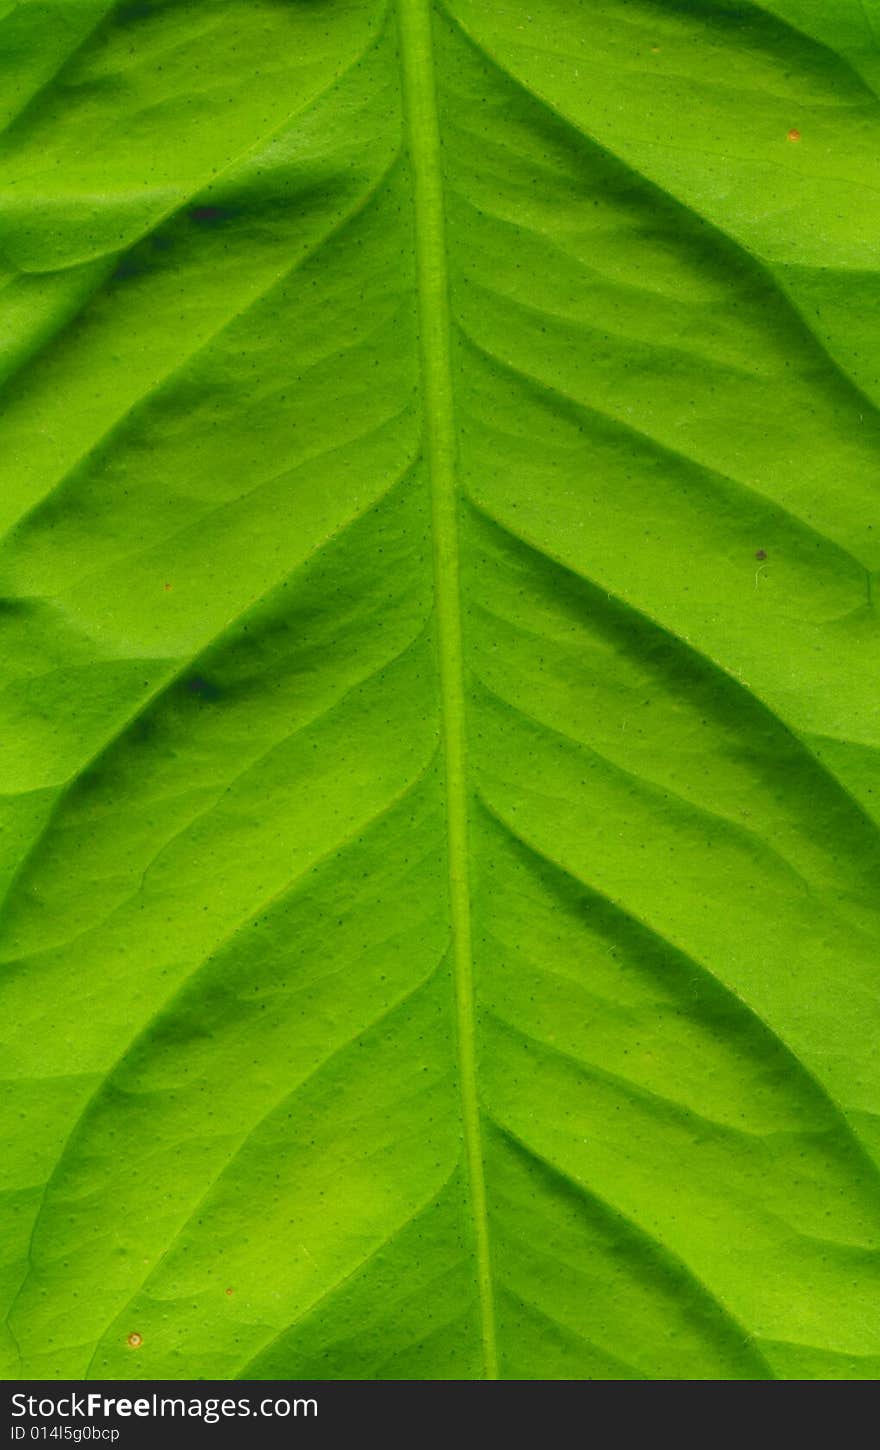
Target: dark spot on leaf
{"type": "Point", "coordinates": [760, 553]}
{"type": "Point", "coordinates": [129, 266]}
{"type": "Point", "coordinates": [211, 215]}
{"type": "Point", "coordinates": [198, 685]}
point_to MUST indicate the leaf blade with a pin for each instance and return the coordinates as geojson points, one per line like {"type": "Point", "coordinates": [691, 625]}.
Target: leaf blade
{"type": "Point", "coordinates": [439, 755]}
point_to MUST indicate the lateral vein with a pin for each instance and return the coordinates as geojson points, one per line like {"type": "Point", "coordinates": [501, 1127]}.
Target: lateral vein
{"type": "Point", "coordinates": [424, 150]}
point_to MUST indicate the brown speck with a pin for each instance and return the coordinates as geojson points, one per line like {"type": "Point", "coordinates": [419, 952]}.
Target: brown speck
{"type": "Point", "coordinates": [230, 1291]}
{"type": "Point", "coordinates": [760, 553]}
{"type": "Point", "coordinates": [794, 135]}
{"type": "Point", "coordinates": [135, 1340]}
{"type": "Point", "coordinates": [167, 587]}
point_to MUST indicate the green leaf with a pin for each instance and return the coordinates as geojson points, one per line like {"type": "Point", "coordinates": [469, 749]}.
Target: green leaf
{"type": "Point", "coordinates": [439, 735]}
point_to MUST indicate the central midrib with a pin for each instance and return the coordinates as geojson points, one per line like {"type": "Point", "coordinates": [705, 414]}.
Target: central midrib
{"type": "Point", "coordinates": [424, 151]}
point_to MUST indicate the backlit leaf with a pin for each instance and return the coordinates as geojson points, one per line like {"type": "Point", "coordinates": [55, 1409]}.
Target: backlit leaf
{"type": "Point", "coordinates": [439, 723]}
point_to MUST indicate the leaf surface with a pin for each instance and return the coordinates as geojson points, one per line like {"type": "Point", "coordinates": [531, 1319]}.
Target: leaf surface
{"type": "Point", "coordinates": [439, 727]}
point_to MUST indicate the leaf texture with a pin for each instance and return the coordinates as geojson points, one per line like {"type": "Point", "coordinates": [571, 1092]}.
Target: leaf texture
{"type": "Point", "coordinates": [439, 778]}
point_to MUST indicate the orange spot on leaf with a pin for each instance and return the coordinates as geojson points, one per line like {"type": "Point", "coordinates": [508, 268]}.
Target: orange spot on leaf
{"type": "Point", "coordinates": [794, 135]}
{"type": "Point", "coordinates": [135, 1340]}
